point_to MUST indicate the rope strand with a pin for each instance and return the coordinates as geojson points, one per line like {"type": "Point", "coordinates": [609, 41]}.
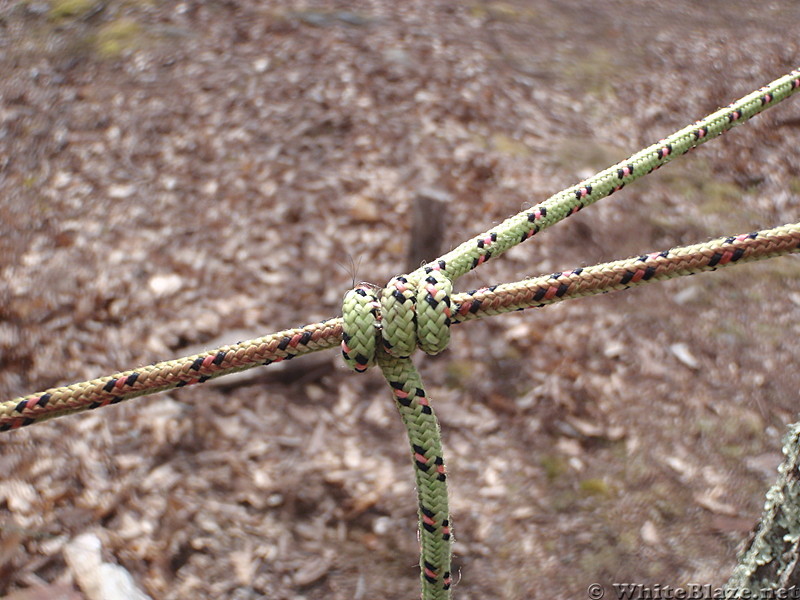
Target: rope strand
{"type": "Point", "coordinates": [424, 436]}
{"type": "Point", "coordinates": [170, 374]}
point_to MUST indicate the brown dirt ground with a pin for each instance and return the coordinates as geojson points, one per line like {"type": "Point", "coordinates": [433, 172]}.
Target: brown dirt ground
{"type": "Point", "coordinates": [177, 173]}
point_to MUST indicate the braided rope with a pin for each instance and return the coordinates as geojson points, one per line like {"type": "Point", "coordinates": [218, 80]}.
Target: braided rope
{"type": "Point", "coordinates": [366, 318]}
{"type": "Point", "coordinates": [623, 274]}
{"type": "Point", "coordinates": [426, 447]}
{"type": "Point", "coordinates": [417, 310]}
{"type": "Point", "coordinates": [399, 318]}
{"type": "Point", "coordinates": [527, 223]}
{"type": "Point", "coordinates": [406, 314]}
{"type": "Point", "coordinates": [167, 375]}
{"type": "Point", "coordinates": [485, 302]}
{"type": "Point", "coordinates": [410, 311]}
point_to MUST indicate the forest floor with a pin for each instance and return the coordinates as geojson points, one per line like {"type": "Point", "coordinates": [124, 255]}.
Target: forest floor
{"type": "Point", "coordinates": [179, 175]}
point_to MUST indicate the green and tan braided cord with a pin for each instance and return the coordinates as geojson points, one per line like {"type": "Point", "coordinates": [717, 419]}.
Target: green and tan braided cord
{"type": "Point", "coordinates": [397, 316]}
{"type": "Point", "coordinates": [383, 326]}
{"type": "Point", "coordinates": [466, 306]}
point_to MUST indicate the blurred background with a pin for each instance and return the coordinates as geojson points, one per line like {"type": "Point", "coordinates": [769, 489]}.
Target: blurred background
{"type": "Point", "coordinates": [180, 175]}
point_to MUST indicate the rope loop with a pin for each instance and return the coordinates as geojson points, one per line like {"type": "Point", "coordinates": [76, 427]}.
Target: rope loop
{"type": "Point", "coordinates": [433, 311]}
{"type": "Point", "coordinates": [361, 313]}
{"type": "Point", "coordinates": [406, 314]}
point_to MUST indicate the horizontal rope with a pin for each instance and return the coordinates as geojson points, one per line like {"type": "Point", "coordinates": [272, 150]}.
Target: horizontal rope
{"type": "Point", "coordinates": [495, 300]}
{"type": "Point", "coordinates": [295, 342]}
{"type": "Point", "coordinates": [167, 375]}
{"type": "Point", "coordinates": [623, 274]}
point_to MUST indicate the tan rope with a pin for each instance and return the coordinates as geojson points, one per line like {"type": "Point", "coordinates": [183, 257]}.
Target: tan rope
{"type": "Point", "coordinates": [283, 345]}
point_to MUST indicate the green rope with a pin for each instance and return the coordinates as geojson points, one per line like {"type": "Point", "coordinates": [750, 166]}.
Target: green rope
{"type": "Point", "coordinates": [423, 433]}
{"type": "Point", "coordinates": [415, 309]}
{"type": "Point", "coordinates": [523, 225]}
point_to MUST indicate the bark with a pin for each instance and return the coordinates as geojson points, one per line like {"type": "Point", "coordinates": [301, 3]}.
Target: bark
{"type": "Point", "coordinates": [770, 559]}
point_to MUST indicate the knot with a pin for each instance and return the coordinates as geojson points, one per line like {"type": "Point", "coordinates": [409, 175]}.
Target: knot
{"type": "Point", "coordinates": [405, 314]}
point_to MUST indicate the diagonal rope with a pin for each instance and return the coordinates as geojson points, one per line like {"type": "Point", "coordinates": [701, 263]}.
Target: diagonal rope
{"type": "Point", "coordinates": [384, 326]}
{"type": "Point", "coordinates": [527, 223]}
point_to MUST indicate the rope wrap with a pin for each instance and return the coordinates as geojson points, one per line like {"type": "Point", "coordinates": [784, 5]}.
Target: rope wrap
{"type": "Point", "coordinates": [361, 311]}
{"type": "Point", "coordinates": [433, 312]}
{"type": "Point", "coordinates": [407, 313]}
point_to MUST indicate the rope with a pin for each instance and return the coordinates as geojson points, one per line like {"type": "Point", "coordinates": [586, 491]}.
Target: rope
{"type": "Point", "coordinates": [485, 302]}
{"type": "Point", "coordinates": [623, 274]}
{"type": "Point", "coordinates": [409, 312]}
{"type": "Point", "coordinates": [426, 448]}
{"type": "Point", "coordinates": [527, 223]}
{"type": "Point", "coordinates": [367, 311]}
{"type": "Point", "coordinates": [384, 326]}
